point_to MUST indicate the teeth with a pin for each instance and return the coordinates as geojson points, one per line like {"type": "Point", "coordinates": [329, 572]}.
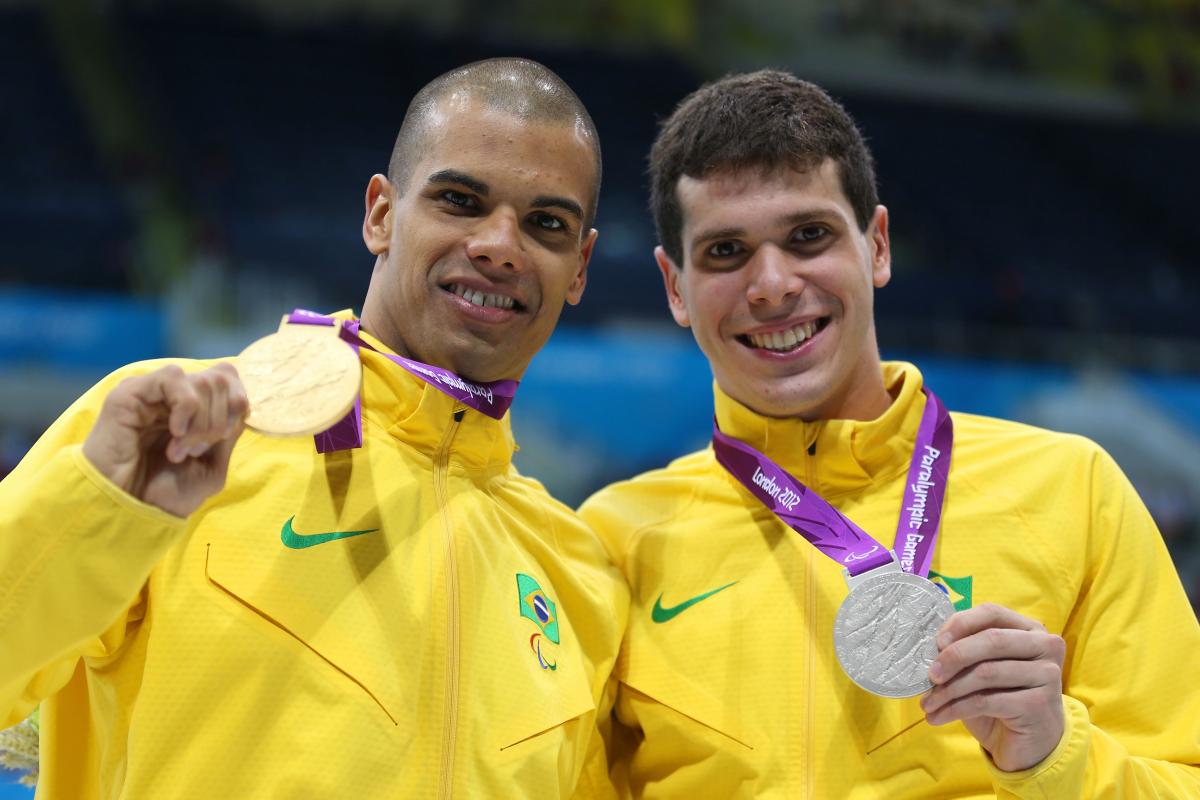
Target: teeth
{"type": "Point", "coordinates": [784, 340]}
{"type": "Point", "coordinates": [478, 298]}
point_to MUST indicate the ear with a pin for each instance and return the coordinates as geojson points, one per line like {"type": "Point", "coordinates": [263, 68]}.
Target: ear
{"type": "Point", "coordinates": [672, 274]}
{"type": "Point", "coordinates": [881, 248]}
{"type": "Point", "coordinates": [377, 223]}
{"type": "Point", "coordinates": [575, 290]}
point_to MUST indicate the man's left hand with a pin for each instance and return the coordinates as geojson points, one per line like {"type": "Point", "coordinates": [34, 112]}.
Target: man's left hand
{"type": "Point", "coordinates": [1001, 674]}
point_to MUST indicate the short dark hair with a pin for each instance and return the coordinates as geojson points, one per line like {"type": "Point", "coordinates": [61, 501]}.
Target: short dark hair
{"type": "Point", "coordinates": [758, 120]}
{"type": "Point", "coordinates": [517, 86]}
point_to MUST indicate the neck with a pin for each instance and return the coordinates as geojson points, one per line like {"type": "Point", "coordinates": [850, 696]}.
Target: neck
{"type": "Point", "coordinates": [376, 321]}
{"type": "Point", "coordinates": [380, 326]}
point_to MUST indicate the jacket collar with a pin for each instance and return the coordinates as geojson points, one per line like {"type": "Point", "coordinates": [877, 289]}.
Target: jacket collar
{"type": "Point", "coordinates": [846, 454]}
{"type": "Point", "coordinates": [408, 408]}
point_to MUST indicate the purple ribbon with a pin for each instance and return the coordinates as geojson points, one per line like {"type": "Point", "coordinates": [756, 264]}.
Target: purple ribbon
{"type": "Point", "coordinates": [925, 491]}
{"type": "Point", "coordinates": [830, 531]}
{"type": "Point", "coordinates": [492, 398]}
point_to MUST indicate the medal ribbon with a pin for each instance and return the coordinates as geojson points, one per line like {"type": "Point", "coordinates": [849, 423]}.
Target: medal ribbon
{"type": "Point", "coordinates": [492, 398]}
{"type": "Point", "coordinates": [830, 531]}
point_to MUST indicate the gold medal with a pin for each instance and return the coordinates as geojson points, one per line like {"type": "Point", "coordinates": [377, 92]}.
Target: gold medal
{"type": "Point", "coordinates": [300, 380]}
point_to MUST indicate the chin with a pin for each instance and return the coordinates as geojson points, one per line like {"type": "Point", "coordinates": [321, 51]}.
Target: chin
{"type": "Point", "coordinates": [788, 408]}
{"type": "Point", "coordinates": [781, 398]}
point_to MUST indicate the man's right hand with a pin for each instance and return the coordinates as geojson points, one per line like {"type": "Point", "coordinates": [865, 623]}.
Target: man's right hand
{"type": "Point", "coordinates": [166, 437]}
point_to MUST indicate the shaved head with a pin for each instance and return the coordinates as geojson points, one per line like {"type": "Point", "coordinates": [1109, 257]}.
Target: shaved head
{"type": "Point", "coordinates": [525, 89]}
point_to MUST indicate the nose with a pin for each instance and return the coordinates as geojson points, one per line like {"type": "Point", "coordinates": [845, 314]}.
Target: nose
{"type": "Point", "coordinates": [496, 240]}
{"type": "Point", "coordinates": [772, 277]}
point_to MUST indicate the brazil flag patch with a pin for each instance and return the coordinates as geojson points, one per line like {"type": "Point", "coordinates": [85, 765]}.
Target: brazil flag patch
{"type": "Point", "coordinates": [537, 606]}
{"type": "Point", "coordinates": [957, 589]}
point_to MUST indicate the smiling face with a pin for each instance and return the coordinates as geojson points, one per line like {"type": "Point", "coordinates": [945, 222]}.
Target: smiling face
{"type": "Point", "coordinates": [778, 285]}
{"type": "Point", "coordinates": [478, 253]}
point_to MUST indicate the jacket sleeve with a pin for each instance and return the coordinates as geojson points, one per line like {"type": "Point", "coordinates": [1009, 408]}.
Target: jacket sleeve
{"type": "Point", "coordinates": [611, 526]}
{"type": "Point", "coordinates": [75, 553]}
{"type": "Point", "coordinates": [1131, 701]}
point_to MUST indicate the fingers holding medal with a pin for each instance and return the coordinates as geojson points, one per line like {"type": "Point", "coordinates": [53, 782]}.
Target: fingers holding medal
{"type": "Point", "coordinates": [1000, 673]}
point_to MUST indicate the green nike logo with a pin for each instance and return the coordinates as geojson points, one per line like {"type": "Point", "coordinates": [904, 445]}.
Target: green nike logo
{"type": "Point", "coordinates": [660, 614]}
{"type": "Point", "coordinates": [299, 541]}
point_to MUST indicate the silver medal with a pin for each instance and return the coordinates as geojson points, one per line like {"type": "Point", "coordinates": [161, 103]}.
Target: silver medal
{"type": "Point", "coordinates": [885, 628]}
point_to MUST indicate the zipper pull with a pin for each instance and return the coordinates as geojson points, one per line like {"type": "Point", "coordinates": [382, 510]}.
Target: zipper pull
{"type": "Point", "coordinates": [458, 415]}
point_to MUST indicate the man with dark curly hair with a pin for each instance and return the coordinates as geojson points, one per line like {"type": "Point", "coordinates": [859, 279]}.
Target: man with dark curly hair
{"type": "Point", "coordinates": [854, 593]}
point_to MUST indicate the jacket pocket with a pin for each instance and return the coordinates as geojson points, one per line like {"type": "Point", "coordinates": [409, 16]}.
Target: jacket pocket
{"type": "Point", "coordinates": [670, 667]}
{"type": "Point", "coordinates": [537, 725]}
{"type": "Point", "coordinates": [668, 687]}
{"type": "Point", "coordinates": [543, 684]}
{"type": "Point", "coordinates": [685, 722]}
{"type": "Point", "coordinates": [547, 709]}
{"type": "Point", "coordinates": [319, 600]}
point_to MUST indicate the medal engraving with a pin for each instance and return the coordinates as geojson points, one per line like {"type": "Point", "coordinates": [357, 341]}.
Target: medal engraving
{"type": "Point", "coordinates": [299, 381]}
{"type": "Point", "coordinates": [884, 632]}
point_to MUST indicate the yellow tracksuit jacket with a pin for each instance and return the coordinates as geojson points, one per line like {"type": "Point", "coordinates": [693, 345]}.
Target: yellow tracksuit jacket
{"type": "Point", "coordinates": [244, 653]}
{"type": "Point", "coordinates": [739, 693]}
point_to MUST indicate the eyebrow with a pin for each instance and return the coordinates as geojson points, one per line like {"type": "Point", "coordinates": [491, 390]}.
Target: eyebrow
{"type": "Point", "coordinates": [718, 233]}
{"type": "Point", "coordinates": [461, 178]}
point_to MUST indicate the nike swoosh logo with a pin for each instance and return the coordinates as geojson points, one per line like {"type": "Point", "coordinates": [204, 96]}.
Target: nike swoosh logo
{"type": "Point", "coordinates": [660, 614]}
{"type": "Point", "coordinates": [299, 541]}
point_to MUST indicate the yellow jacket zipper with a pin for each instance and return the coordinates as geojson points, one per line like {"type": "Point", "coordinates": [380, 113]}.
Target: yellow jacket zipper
{"type": "Point", "coordinates": [441, 465]}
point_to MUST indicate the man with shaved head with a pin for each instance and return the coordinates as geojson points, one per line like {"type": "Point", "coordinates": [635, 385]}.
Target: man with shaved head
{"type": "Point", "coordinates": [387, 610]}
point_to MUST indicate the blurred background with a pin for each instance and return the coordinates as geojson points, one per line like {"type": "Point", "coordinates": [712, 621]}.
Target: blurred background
{"type": "Point", "coordinates": [175, 175]}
